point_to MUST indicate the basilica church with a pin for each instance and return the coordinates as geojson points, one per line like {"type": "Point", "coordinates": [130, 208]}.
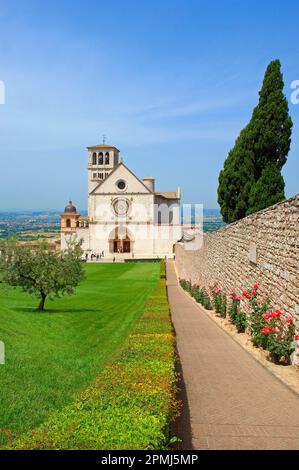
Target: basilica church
{"type": "Point", "coordinates": [127, 218]}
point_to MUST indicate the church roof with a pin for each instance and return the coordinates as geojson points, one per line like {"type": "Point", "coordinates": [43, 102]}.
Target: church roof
{"type": "Point", "coordinates": [70, 208]}
{"type": "Point", "coordinates": [168, 194]}
{"type": "Point", "coordinates": [121, 163]}
{"type": "Point", "coordinates": [103, 146]}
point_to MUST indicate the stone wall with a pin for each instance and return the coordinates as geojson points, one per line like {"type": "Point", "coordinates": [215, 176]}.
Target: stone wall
{"type": "Point", "coordinates": [263, 248]}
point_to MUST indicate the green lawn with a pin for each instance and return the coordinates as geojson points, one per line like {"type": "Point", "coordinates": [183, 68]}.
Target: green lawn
{"type": "Point", "coordinates": [52, 356]}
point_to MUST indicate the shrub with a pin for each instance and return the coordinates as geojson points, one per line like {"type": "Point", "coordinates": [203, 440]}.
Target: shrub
{"type": "Point", "coordinates": [257, 309]}
{"type": "Point", "coordinates": [241, 321]}
{"type": "Point", "coordinates": [186, 285]}
{"type": "Point", "coordinates": [183, 283]}
{"type": "Point", "coordinates": [233, 309]}
{"type": "Point", "coordinates": [269, 328]}
{"type": "Point", "coordinates": [218, 300]}
{"type": "Point", "coordinates": [278, 335]}
{"type": "Point", "coordinates": [131, 403]}
{"type": "Point", "coordinates": [206, 302]}
{"type": "Point", "coordinates": [163, 269]}
{"type": "Point", "coordinates": [193, 290]}
{"type": "Point", "coordinates": [198, 295]}
{"type": "Point", "coordinates": [201, 296]}
{"type": "Point", "coordinates": [236, 316]}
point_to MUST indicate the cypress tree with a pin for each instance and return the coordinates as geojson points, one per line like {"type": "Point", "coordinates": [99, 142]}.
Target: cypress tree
{"type": "Point", "coordinates": [251, 177]}
{"type": "Point", "coordinates": [268, 190]}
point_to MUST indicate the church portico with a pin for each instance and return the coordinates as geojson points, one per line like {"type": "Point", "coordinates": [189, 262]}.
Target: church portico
{"type": "Point", "coordinates": [126, 216]}
{"type": "Point", "coordinates": [121, 240]}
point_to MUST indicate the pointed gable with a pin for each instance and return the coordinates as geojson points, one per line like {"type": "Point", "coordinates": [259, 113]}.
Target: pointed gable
{"type": "Point", "coordinates": [121, 173]}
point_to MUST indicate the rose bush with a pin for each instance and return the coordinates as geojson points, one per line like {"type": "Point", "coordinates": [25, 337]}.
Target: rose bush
{"type": "Point", "coordinates": [219, 301]}
{"type": "Point", "coordinates": [269, 328]}
{"type": "Point", "coordinates": [279, 335]}
{"type": "Point", "coordinates": [237, 317]}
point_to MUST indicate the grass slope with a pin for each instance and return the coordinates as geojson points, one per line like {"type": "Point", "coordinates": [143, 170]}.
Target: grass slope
{"type": "Point", "coordinates": [52, 356]}
{"type": "Point", "coordinates": [132, 402]}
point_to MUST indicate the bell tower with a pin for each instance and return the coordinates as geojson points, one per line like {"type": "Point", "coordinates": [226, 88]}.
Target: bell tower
{"type": "Point", "coordinates": [69, 220]}
{"type": "Point", "coordinates": [101, 161]}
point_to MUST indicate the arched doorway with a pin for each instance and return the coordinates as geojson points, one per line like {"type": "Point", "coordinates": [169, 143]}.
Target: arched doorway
{"type": "Point", "coordinates": [120, 240]}
{"type": "Point", "coordinates": [121, 245]}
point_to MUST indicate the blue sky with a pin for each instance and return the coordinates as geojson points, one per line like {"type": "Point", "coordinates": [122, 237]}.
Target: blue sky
{"type": "Point", "coordinates": [171, 83]}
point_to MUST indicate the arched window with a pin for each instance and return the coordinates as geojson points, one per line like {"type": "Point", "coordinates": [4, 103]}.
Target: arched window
{"type": "Point", "coordinates": [101, 158]}
{"type": "Point", "coordinates": [77, 223]}
{"type": "Point", "coordinates": [170, 217]}
{"type": "Point", "coordinates": [94, 158]}
{"type": "Point", "coordinates": [159, 218]}
{"type": "Point", "coordinates": [101, 176]}
{"type": "Point", "coordinates": [107, 158]}
{"type": "Point", "coordinates": [68, 223]}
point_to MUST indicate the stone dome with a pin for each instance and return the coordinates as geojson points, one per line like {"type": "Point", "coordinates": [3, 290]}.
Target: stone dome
{"type": "Point", "coordinates": [70, 208]}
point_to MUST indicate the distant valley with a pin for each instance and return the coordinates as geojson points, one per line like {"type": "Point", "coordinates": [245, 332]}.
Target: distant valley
{"type": "Point", "coordinates": [31, 225]}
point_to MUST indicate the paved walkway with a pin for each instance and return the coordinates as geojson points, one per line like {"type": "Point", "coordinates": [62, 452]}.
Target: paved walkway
{"type": "Point", "coordinates": [231, 401]}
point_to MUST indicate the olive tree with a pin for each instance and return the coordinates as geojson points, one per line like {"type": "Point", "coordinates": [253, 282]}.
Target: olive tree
{"type": "Point", "coordinates": [41, 271]}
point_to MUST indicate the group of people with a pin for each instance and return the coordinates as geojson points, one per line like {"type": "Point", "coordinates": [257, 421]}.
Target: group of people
{"type": "Point", "coordinates": [94, 256]}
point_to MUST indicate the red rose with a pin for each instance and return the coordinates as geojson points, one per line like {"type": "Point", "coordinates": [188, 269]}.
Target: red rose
{"type": "Point", "coordinates": [245, 295]}
{"type": "Point", "coordinates": [266, 330]}
{"type": "Point", "coordinates": [266, 316]}
{"type": "Point", "coordinates": [253, 293]}
{"type": "Point", "coordinates": [255, 286]}
{"type": "Point", "coordinates": [289, 320]}
{"type": "Point", "coordinates": [296, 337]}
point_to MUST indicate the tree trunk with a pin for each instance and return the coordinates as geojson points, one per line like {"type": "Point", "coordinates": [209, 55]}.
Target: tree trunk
{"type": "Point", "coordinates": [42, 302]}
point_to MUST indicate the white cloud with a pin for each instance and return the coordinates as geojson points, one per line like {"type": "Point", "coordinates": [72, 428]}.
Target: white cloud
{"type": "Point", "coordinates": [203, 105]}
{"type": "Point", "coordinates": [2, 92]}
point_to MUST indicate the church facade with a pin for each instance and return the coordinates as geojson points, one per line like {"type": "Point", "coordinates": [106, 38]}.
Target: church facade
{"type": "Point", "coordinates": [127, 217]}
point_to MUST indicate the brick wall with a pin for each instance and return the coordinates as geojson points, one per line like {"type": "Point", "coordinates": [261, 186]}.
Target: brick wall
{"type": "Point", "coordinates": [263, 248]}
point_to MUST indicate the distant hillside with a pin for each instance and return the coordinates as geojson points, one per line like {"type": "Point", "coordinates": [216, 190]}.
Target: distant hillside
{"type": "Point", "coordinates": [210, 218]}
{"type": "Point", "coordinates": [30, 225]}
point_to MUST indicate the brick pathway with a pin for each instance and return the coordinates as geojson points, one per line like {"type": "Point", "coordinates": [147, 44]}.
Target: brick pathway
{"type": "Point", "coordinates": [231, 401]}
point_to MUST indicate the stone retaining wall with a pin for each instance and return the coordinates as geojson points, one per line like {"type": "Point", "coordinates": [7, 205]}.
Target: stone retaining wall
{"type": "Point", "coordinates": [263, 248]}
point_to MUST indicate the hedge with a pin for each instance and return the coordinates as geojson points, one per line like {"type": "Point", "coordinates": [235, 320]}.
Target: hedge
{"type": "Point", "coordinates": [132, 402]}
{"type": "Point", "coordinates": [163, 269]}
